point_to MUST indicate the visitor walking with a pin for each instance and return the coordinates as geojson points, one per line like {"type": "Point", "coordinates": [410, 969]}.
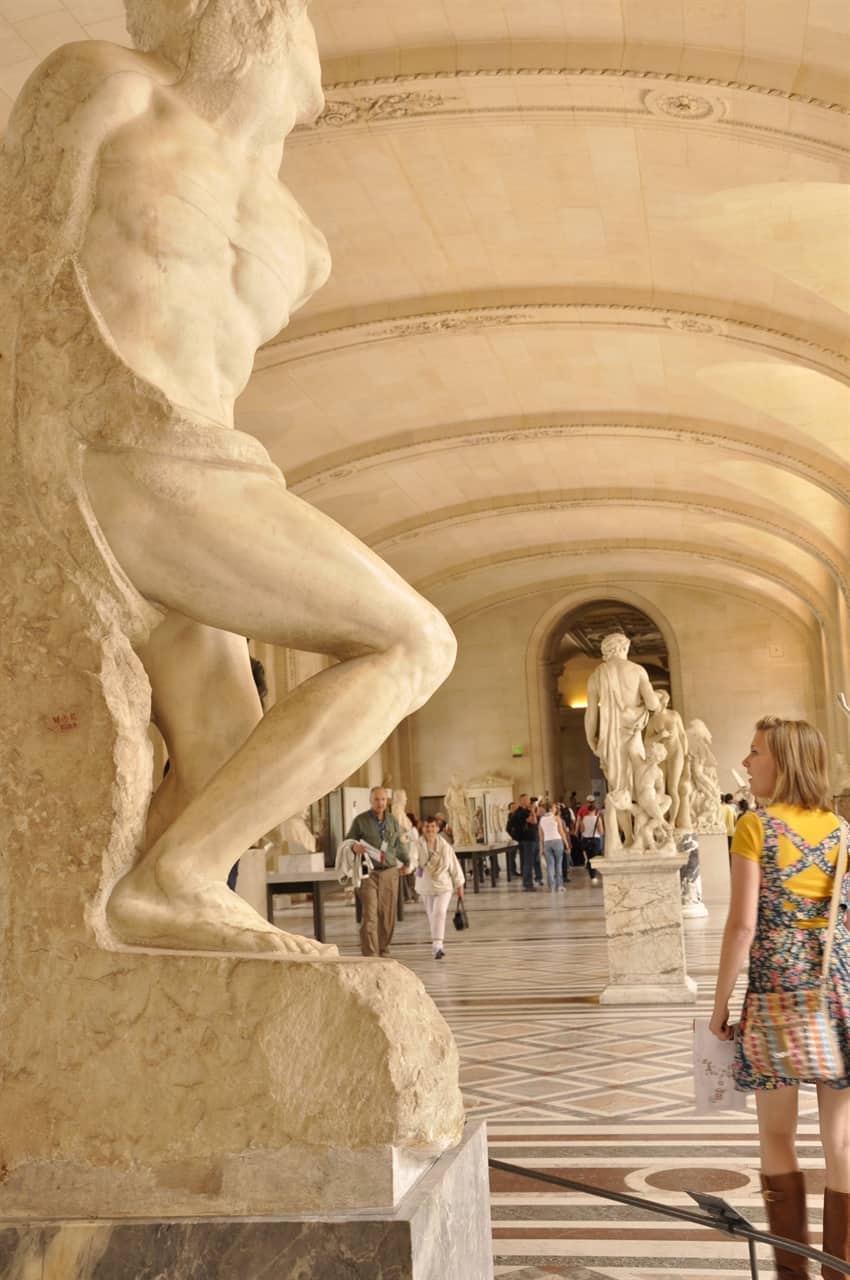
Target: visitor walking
{"type": "Point", "coordinates": [439, 874]}
{"type": "Point", "coordinates": [376, 828]}
{"type": "Point", "coordinates": [784, 857]}
{"type": "Point", "coordinates": [591, 831]}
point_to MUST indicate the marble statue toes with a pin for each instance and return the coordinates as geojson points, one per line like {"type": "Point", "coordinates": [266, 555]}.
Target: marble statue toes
{"type": "Point", "coordinates": [201, 917]}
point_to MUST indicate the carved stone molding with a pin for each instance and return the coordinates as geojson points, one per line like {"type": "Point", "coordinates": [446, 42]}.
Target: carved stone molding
{"type": "Point", "coordinates": [390, 106]}
{"type": "Point", "coordinates": [658, 107]}
{"type": "Point", "coordinates": [683, 106]}
{"type": "Point", "coordinates": [285, 350]}
{"type": "Point", "coordinates": [617, 73]}
{"type": "Point", "coordinates": [324, 471]}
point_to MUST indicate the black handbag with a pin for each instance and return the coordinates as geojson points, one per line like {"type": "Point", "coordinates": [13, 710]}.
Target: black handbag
{"type": "Point", "coordinates": [460, 919]}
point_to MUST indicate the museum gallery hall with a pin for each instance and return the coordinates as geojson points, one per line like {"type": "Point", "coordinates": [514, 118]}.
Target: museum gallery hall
{"type": "Point", "coordinates": [425, 458]}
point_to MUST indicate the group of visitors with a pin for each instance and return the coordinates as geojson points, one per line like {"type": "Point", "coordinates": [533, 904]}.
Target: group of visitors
{"type": "Point", "coordinates": [557, 836]}
{"type": "Point", "coordinates": [424, 854]}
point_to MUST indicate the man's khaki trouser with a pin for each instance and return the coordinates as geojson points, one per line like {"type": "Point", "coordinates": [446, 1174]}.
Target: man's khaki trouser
{"type": "Point", "coordinates": [378, 900]}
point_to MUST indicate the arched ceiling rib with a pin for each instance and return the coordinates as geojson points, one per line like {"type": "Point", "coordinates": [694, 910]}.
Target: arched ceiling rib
{"type": "Point", "coordinates": [619, 362]}
{"type": "Point", "coordinates": [673, 571]}
{"type": "Point", "coordinates": [437, 549]}
{"type": "Point", "coordinates": [703, 439]}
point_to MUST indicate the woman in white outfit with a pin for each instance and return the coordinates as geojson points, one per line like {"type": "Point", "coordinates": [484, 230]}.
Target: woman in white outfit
{"type": "Point", "coordinates": [438, 875]}
{"type": "Point", "coordinates": [553, 841]}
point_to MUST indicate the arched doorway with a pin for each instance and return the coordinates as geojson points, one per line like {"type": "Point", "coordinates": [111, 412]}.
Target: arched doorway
{"type": "Point", "coordinates": [573, 651]}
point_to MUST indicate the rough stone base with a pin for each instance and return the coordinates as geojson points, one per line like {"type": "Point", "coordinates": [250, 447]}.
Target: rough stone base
{"type": "Point", "coordinates": [165, 1085]}
{"type": "Point", "coordinates": [643, 923]}
{"type": "Point", "coordinates": [440, 1231]}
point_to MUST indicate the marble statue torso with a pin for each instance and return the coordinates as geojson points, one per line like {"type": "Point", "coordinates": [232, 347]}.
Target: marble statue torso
{"type": "Point", "coordinates": [192, 216]}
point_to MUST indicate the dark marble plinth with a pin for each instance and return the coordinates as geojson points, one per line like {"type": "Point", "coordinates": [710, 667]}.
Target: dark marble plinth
{"type": "Point", "coordinates": [439, 1231]}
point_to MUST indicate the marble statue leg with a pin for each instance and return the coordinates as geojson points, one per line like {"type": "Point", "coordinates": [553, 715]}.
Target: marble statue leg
{"type": "Point", "coordinates": [204, 703]}
{"type": "Point", "coordinates": [233, 550]}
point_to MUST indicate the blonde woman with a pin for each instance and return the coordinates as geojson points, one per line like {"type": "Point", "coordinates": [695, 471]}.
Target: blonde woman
{"type": "Point", "coordinates": [783, 870]}
{"type": "Point", "coordinates": [439, 874]}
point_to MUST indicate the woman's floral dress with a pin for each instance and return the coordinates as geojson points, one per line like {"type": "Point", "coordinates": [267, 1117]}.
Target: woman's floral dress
{"type": "Point", "coordinates": [785, 957]}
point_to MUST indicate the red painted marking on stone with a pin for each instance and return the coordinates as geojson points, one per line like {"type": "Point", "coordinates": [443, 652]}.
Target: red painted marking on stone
{"type": "Point", "coordinates": [65, 721]}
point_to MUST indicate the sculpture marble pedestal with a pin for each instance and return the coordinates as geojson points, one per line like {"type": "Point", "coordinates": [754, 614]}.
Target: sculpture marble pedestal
{"type": "Point", "coordinates": [439, 1231]}
{"type": "Point", "coordinates": [643, 923]}
{"type": "Point", "coordinates": [714, 866]}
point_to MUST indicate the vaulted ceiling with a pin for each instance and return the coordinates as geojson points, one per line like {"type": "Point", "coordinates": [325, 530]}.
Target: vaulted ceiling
{"type": "Point", "coordinates": [591, 283]}
{"type": "Point", "coordinates": [589, 306]}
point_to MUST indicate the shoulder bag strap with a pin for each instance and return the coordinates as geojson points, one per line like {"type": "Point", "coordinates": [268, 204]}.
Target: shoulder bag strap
{"type": "Point", "coordinates": [840, 869]}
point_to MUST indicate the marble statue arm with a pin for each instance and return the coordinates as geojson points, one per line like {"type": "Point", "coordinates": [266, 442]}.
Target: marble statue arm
{"type": "Point", "coordinates": [648, 695]}
{"type": "Point", "coordinates": [60, 156]}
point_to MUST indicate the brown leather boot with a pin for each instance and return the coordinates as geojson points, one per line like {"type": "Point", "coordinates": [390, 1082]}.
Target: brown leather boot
{"type": "Point", "coordinates": [836, 1230]}
{"type": "Point", "coordinates": [785, 1198]}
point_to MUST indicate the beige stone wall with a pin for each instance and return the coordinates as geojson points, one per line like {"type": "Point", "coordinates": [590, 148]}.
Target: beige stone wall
{"type": "Point", "coordinates": [472, 722]}
{"type": "Point", "coordinates": [736, 658]}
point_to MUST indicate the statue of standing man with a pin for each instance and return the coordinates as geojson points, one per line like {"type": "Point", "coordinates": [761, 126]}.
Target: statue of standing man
{"type": "Point", "coordinates": [620, 700]}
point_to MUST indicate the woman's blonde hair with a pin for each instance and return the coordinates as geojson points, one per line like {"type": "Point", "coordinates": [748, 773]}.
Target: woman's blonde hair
{"type": "Point", "coordinates": [799, 750]}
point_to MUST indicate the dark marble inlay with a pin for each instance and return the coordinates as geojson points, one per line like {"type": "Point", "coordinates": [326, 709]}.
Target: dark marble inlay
{"type": "Point", "coordinates": [439, 1231]}
{"type": "Point", "coordinates": [215, 1250]}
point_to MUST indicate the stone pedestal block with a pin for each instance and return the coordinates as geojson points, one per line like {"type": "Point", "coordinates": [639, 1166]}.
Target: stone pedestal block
{"type": "Point", "coordinates": [714, 867]}
{"type": "Point", "coordinates": [439, 1231]}
{"type": "Point", "coordinates": [643, 923]}
{"type": "Point", "coordinates": [146, 1085]}
{"type": "Point", "coordinates": [298, 862]}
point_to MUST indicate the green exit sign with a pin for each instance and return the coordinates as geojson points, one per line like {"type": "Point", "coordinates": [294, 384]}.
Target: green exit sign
{"type": "Point", "coordinates": [516, 751]}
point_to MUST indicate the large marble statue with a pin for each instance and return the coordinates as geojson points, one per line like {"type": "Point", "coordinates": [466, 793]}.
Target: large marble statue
{"type": "Point", "coordinates": [458, 814]}
{"type": "Point", "coordinates": [706, 813]}
{"type": "Point", "coordinates": [620, 700]}
{"type": "Point", "coordinates": [160, 1056]}
{"type": "Point", "coordinates": [149, 248]}
{"type": "Point", "coordinates": [667, 727]}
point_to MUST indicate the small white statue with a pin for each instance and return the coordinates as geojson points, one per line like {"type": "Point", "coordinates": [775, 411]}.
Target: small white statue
{"type": "Point", "coordinates": [458, 813]}
{"type": "Point", "coordinates": [706, 814]}
{"type": "Point", "coordinates": [497, 820]}
{"type": "Point", "coordinates": [297, 835]}
{"type": "Point", "coordinates": [398, 808]}
{"type": "Point", "coordinates": [653, 833]}
{"type": "Point", "coordinates": [667, 727]}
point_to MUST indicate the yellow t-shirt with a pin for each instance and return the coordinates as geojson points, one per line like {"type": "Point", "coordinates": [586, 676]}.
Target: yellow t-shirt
{"type": "Point", "coordinates": [813, 825]}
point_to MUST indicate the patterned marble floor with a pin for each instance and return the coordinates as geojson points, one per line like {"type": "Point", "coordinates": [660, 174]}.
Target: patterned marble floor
{"type": "Point", "coordinates": [599, 1094]}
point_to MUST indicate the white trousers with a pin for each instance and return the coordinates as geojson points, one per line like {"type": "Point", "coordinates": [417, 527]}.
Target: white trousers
{"type": "Point", "coordinates": [436, 906]}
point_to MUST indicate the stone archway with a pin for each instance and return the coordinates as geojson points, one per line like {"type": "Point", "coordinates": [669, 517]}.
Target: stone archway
{"type": "Point", "coordinates": [569, 632]}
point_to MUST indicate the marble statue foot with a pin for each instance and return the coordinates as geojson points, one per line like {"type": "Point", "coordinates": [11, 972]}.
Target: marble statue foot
{"type": "Point", "coordinates": [206, 916]}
